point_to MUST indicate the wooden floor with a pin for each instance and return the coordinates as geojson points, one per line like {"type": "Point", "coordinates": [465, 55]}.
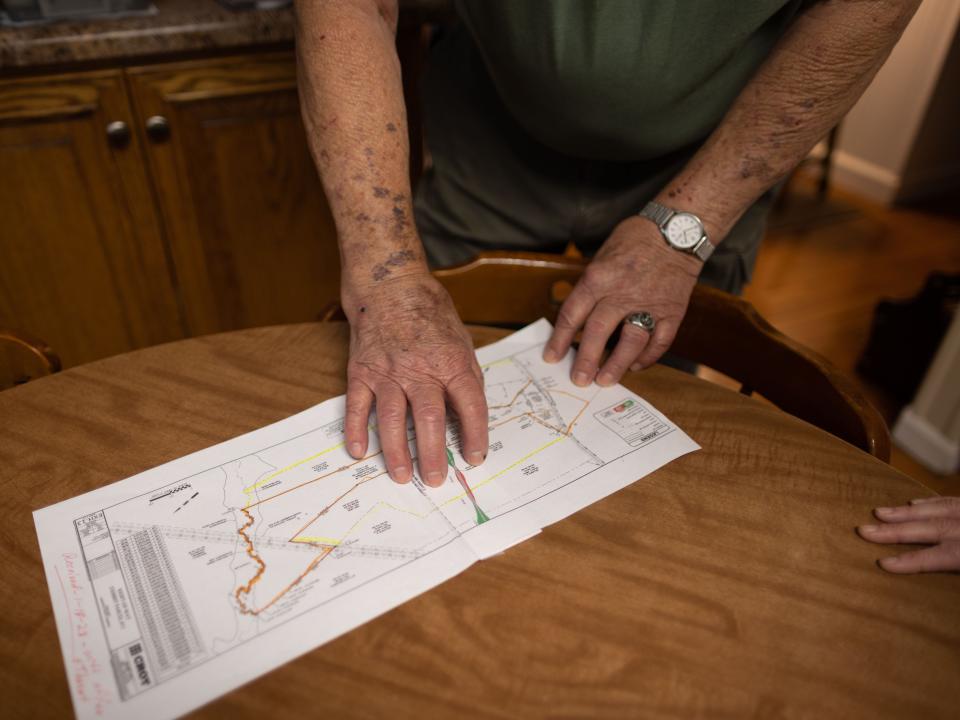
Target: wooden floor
{"type": "Point", "coordinates": [820, 273]}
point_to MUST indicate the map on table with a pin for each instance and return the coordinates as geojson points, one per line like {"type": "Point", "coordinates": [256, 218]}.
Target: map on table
{"type": "Point", "coordinates": [181, 583]}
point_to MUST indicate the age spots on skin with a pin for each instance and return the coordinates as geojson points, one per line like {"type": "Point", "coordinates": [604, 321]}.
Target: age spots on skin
{"type": "Point", "coordinates": [400, 220]}
{"type": "Point", "coordinates": [396, 260]}
{"type": "Point", "coordinates": [400, 258]}
{"type": "Point", "coordinates": [754, 166]}
{"type": "Point", "coordinates": [380, 192]}
{"type": "Point", "coordinates": [391, 127]}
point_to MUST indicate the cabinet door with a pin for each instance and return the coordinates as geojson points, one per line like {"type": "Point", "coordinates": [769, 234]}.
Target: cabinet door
{"type": "Point", "coordinates": [82, 262]}
{"type": "Point", "coordinates": [250, 231]}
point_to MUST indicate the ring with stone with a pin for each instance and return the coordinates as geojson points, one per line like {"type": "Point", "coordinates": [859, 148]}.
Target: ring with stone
{"type": "Point", "coordinates": [642, 320]}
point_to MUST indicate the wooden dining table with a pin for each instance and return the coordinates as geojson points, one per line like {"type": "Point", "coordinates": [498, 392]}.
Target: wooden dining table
{"type": "Point", "coordinates": [729, 583]}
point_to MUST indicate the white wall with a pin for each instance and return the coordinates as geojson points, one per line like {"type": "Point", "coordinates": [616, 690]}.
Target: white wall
{"type": "Point", "coordinates": [879, 133]}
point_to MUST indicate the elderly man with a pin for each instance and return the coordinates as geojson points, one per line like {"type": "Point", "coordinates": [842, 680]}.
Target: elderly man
{"type": "Point", "coordinates": [650, 133]}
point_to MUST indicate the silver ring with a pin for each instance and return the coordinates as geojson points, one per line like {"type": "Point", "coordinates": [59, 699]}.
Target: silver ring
{"type": "Point", "coordinates": [642, 320]}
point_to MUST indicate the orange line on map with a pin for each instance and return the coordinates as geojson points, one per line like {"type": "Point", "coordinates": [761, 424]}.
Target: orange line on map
{"type": "Point", "coordinates": [246, 589]}
{"type": "Point", "coordinates": [515, 397]}
{"type": "Point", "coordinates": [586, 404]}
{"type": "Point", "coordinates": [324, 511]}
{"type": "Point", "coordinates": [319, 477]}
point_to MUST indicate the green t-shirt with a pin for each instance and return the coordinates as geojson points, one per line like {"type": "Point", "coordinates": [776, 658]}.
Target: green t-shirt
{"type": "Point", "coordinates": [623, 80]}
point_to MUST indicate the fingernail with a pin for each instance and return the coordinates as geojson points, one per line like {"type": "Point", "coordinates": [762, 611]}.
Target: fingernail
{"type": "Point", "coordinates": [883, 511]}
{"type": "Point", "coordinates": [888, 561]}
{"type": "Point", "coordinates": [550, 356]}
{"type": "Point", "coordinates": [920, 501]}
{"type": "Point", "coordinates": [434, 478]}
{"type": "Point", "coordinates": [636, 367]}
{"type": "Point", "coordinates": [476, 457]}
{"type": "Point", "coordinates": [401, 474]}
{"type": "Point", "coordinates": [605, 379]}
{"type": "Point", "coordinates": [355, 449]}
{"type": "Point", "coordinates": [869, 528]}
{"type": "Point", "coordinates": [581, 378]}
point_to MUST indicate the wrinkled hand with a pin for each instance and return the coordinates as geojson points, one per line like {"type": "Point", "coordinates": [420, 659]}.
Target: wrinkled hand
{"type": "Point", "coordinates": [933, 521]}
{"type": "Point", "coordinates": [408, 346]}
{"type": "Point", "coordinates": [634, 271]}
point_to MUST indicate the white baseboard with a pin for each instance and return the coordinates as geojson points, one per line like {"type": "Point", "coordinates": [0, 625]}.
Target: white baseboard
{"type": "Point", "coordinates": [925, 443]}
{"type": "Point", "coordinates": [864, 178]}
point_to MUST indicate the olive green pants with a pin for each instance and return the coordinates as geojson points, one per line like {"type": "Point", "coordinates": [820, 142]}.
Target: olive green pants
{"type": "Point", "coordinates": [494, 187]}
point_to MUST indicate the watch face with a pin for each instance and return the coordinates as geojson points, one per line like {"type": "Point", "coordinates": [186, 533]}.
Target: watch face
{"type": "Point", "coordinates": [684, 230]}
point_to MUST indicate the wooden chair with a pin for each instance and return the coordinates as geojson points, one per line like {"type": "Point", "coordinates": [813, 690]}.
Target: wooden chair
{"type": "Point", "coordinates": [720, 330]}
{"type": "Point", "coordinates": [24, 358]}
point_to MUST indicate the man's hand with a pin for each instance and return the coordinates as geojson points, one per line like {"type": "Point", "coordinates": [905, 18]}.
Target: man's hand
{"type": "Point", "coordinates": [408, 346]}
{"type": "Point", "coordinates": [634, 271]}
{"type": "Point", "coordinates": [933, 521]}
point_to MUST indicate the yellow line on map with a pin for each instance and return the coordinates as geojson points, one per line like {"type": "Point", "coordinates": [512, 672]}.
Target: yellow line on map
{"type": "Point", "coordinates": [501, 361]}
{"type": "Point", "coordinates": [380, 505]}
{"type": "Point", "coordinates": [271, 476]}
{"type": "Point", "coordinates": [315, 539]}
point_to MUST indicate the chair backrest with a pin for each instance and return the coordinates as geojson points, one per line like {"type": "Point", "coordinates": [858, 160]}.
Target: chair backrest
{"type": "Point", "coordinates": [721, 331]}
{"type": "Point", "coordinates": [24, 358]}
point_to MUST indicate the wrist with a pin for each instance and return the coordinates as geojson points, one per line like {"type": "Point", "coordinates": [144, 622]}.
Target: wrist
{"type": "Point", "coordinates": [365, 266]}
{"type": "Point", "coordinates": [716, 221]}
{"type": "Point", "coordinates": [640, 237]}
{"type": "Point", "coordinates": [682, 233]}
{"type": "Point", "coordinates": [406, 291]}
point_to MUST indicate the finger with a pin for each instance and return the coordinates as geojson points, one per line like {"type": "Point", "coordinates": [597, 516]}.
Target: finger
{"type": "Point", "coordinates": [933, 498]}
{"type": "Point", "coordinates": [949, 507]}
{"type": "Point", "coordinates": [573, 313]}
{"type": "Point", "coordinates": [357, 418]}
{"type": "Point", "coordinates": [478, 373]}
{"type": "Point", "coordinates": [392, 426]}
{"type": "Point", "coordinates": [632, 342]}
{"type": "Point", "coordinates": [663, 335]}
{"type": "Point", "coordinates": [430, 422]}
{"type": "Point", "coordinates": [943, 557]}
{"type": "Point", "coordinates": [468, 400]}
{"type": "Point", "coordinates": [599, 327]}
{"type": "Point", "coordinates": [919, 531]}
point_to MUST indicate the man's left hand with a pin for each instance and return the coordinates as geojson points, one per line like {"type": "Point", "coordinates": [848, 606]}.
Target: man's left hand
{"type": "Point", "coordinates": [635, 271]}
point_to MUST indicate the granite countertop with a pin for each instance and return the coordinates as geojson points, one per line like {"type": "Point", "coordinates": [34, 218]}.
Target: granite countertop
{"type": "Point", "coordinates": [178, 27]}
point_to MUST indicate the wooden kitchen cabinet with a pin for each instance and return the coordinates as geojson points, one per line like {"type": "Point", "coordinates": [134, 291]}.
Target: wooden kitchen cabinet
{"type": "Point", "coordinates": [249, 230]}
{"type": "Point", "coordinates": [82, 260]}
{"type": "Point", "coordinates": [200, 211]}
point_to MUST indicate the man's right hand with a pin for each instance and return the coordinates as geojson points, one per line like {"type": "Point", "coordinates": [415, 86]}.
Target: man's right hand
{"type": "Point", "coordinates": [408, 347]}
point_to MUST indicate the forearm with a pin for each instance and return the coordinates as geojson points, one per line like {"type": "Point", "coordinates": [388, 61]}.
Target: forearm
{"type": "Point", "coordinates": [352, 104]}
{"type": "Point", "coordinates": [813, 77]}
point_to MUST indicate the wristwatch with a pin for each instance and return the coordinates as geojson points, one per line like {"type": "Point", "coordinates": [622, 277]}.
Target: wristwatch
{"type": "Point", "coordinates": [683, 231]}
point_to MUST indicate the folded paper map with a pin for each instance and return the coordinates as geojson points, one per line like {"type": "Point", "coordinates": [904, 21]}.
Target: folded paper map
{"type": "Point", "coordinates": [181, 583]}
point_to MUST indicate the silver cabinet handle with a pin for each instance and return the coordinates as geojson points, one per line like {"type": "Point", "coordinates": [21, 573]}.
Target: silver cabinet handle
{"type": "Point", "coordinates": [118, 134]}
{"type": "Point", "coordinates": [158, 128]}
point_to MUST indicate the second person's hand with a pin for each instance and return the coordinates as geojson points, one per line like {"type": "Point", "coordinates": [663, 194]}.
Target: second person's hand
{"type": "Point", "coordinates": [409, 347]}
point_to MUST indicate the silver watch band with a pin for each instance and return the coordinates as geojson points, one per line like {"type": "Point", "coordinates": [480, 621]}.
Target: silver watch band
{"type": "Point", "coordinates": [660, 214]}
{"type": "Point", "coordinates": [657, 212]}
